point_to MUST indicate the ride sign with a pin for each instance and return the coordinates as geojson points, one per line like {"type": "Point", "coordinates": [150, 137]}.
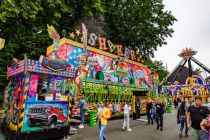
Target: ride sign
{"type": "Point", "coordinates": [54, 64]}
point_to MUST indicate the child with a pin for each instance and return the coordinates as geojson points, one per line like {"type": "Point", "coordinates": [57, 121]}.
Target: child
{"type": "Point", "coordinates": [204, 132]}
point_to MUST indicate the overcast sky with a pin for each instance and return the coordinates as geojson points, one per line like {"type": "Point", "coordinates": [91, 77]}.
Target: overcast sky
{"type": "Point", "coordinates": [191, 30]}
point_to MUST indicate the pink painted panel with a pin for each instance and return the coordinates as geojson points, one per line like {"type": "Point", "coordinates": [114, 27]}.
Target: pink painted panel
{"type": "Point", "coordinates": [33, 84]}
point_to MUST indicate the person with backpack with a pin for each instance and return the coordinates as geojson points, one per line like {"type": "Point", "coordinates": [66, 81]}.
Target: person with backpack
{"type": "Point", "coordinates": [103, 115]}
{"type": "Point", "coordinates": [83, 108]}
{"type": "Point", "coordinates": [182, 118]}
{"type": "Point", "coordinates": [159, 114]}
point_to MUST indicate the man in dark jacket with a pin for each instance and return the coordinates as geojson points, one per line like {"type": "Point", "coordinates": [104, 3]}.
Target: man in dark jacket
{"type": "Point", "coordinates": [159, 114]}
{"type": "Point", "coordinates": [149, 110]}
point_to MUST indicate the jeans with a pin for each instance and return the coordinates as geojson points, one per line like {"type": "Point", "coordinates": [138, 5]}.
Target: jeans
{"type": "Point", "coordinates": [101, 129]}
{"type": "Point", "coordinates": [183, 124]}
{"type": "Point", "coordinates": [159, 120]}
{"type": "Point", "coordinates": [149, 117]}
{"type": "Point", "coordinates": [126, 121]}
{"type": "Point", "coordinates": [82, 115]}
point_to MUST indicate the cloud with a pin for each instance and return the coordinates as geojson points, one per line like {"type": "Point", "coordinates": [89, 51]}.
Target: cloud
{"type": "Point", "coordinates": [191, 30]}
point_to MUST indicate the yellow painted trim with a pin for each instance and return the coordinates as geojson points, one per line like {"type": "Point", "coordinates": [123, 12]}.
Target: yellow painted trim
{"type": "Point", "coordinates": [13, 126]}
{"type": "Point", "coordinates": [23, 106]}
{"type": "Point", "coordinates": [24, 97]}
{"type": "Point", "coordinates": [74, 43]}
{"type": "Point", "coordinates": [26, 80]}
{"type": "Point", "coordinates": [20, 124]}
{"type": "Point", "coordinates": [21, 115]}
{"type": "Point", "coordinates": [26, 88]}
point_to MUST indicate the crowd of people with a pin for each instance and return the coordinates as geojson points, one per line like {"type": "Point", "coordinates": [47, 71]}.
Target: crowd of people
{"type": "Point", "coordinates": [191, 116]}
{"type": "Point", "coordinates": [155, 110]}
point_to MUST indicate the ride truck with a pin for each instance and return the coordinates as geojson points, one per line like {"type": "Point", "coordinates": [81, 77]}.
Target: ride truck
{"type": "Point", "coordinates": [45, 115]}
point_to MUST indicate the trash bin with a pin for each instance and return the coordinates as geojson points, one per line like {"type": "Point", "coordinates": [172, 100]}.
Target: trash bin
{"type": "Point", "coordinates": [169, 108]}
{"type": "Point", "coordinates": [93, 121]}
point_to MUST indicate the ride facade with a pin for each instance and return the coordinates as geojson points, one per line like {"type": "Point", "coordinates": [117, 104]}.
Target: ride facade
{"type": "Point", "coordinates": [37, 99]}
{"type": "Point", "coordinates": [40, 93]}
{"type": "Point", "coordinates": [194, 84]}
{"type": "Point", "coordinates": [104, 71]}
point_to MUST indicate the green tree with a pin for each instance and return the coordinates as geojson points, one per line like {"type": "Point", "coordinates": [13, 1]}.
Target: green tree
{"type": "Point", "coordinates": [137, 24]}
{"type": "Point", "coordinates": [23, 24]}
{"type": "Point", "coordinates": [157, 66]}
{"type": "Point", "coordinates": [140, 24]}
{"type": "Point", "coordinates": [198, 71]}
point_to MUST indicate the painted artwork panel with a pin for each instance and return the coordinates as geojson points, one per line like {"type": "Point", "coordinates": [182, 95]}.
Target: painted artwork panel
{"type": "Point", "coordinates": [42, 115]}
{"type": "Point", "coordinates": [94, 62]}
{"type": "Point", "coordinates": [33, 82]}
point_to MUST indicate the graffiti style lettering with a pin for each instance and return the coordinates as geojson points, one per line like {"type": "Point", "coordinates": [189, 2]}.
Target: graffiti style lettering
{"type": "Point", "coordinates": [112, 47]}
{"type": "Point", "coordinates": [119, 50]}
{"type": "Point", "coordinates": [132, 55]}
{"type": "Point", "coordinates": [92, 40]}
{"type": "Point", "coordinates": [54, 64]}
{"type": "Point", "coordinates": [102, 43]}
{"type": "Point", "coordinates": [127, 52]}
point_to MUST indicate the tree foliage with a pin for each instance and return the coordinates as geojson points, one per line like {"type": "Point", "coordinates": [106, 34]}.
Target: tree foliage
{"type": "Point", "coordinates": [198, 71]}
{"type": "Point", "coordinates": [23, 24]}
{"type": "Point", "coordinates": [139, 23]}
{"type": "Point", "coordinates": [133, 23]}
{"type": "Point", "coordinates": [157, 66]}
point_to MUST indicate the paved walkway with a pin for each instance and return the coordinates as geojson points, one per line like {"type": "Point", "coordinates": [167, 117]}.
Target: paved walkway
{"type": "Point", "coordinates": [140, 131]}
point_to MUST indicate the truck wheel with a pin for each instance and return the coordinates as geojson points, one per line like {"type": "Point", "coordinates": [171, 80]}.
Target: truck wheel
{"type": "Point", "coordinates": [31, 123]}
{"type": "Point", "coordinates": [52, 120]}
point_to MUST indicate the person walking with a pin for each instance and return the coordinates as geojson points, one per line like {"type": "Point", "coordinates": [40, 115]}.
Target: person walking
{"type": "Point", "coordinates": [175, 103]}
{"type": "Point", "coordinates": [103, 115]}
{"type": "Point", "coordinates": [83, 108]}
{"type": "Point", "coordinates": [159, 114]}
{"type": "Point", "coordinates": [154, 111]}
{"type": "Point", "coordinates": [149, 111]}
{"type": "Point", "coordinates": [196, 113]}
{"type": "Point", "coordinates": [189, 102]}
{"type": "Point", "coordinates": [127, 109]}
{"type": "Point", "coordinates": [182, 118]}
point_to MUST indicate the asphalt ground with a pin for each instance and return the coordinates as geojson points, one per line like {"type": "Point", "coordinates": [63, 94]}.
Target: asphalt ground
{"type": "Point", "coordinates": [141, 131]}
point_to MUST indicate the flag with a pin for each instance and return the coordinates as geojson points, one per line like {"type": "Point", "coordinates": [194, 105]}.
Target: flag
{"type": "Point", "coordinates": [2, 42]}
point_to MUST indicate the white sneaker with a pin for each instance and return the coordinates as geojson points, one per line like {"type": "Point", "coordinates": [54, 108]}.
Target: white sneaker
{"type": "Point", "coordinates": [129, 129]}
{"type": "Point", "coordinates": [123, 129]}
{"type": "Point", "coordinates": [81, 126]}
